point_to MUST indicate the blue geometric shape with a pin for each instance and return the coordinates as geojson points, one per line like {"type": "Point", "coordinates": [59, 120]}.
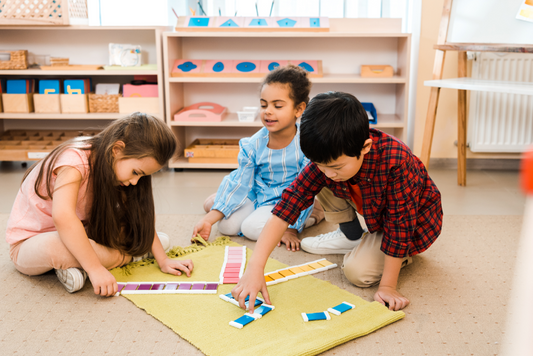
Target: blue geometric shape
{"type": "Point", "coordinates": [286, 22]}
{"type": "Point", "coordinates": [246, 67]}
{"type": "Point", "coordinates": [187, 66]}
{"type": "Point", "coordinates": [218, 67]}
{"type": "Point", "coordinates": [229, 23]}
{"type": "Point", "coordinates": [258, 22]}
{"type": "Point", "coordinates": [273, 65]}
{"type": "Point", "coordinates": [314, 22]}
{"type": "Point", "coordinates": [198, 21]}
{"type": "Point", "coordinates": [306, 67]}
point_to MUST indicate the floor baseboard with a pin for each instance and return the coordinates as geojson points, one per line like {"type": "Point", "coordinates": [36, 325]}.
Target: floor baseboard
{"type": "Point", "coordinates": [476, 164]}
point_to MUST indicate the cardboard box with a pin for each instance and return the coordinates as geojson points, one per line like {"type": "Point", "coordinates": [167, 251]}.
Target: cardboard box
{"type": "Point", "coordinates": [74, 103]}
{"type": "Point", "coordinates": [47, 103]}
{"type": "Point", "coordinates": [145, 105]}
{"type": "Point", "coordinates": [17, 103]}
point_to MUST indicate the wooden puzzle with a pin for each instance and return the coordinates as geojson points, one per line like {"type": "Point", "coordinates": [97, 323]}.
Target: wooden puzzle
{"type": "Point", "coordinates": [253, 24]}
{"type": "Point", "coordinates": [233, 266]}
{"type": "Point", "coordinates": [283, 275]}
{"type": "Point", "coordinates": [239, 68]}
{"type": "Point", "coordinates": [167, 288]}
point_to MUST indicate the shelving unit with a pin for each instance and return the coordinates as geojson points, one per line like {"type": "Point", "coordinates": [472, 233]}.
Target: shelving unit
{"type": "Point", "coordinates": [82, 45]}
{"type": "Point", "coordinates": [349, 44]}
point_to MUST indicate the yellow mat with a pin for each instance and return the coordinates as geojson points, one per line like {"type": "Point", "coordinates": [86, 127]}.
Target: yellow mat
{"type": "Point", "coordinates": [203, 319]}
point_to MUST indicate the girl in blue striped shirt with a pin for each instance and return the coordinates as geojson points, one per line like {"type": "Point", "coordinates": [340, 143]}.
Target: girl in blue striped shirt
{"type": "Point", "coordinates": [268, 163]}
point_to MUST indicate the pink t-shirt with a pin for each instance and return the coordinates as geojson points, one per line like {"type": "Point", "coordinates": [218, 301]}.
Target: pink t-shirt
{"type": "Point", "coordinates": [32, 215]}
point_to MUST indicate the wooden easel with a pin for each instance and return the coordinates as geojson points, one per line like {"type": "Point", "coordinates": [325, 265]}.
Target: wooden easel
{"type": "Point", "coordinates": [442, 46]}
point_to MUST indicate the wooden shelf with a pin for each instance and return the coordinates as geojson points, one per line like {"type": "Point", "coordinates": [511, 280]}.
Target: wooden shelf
{"type": "Point", "coordinates": [182, 162]}
{"type": "Point", "coordinates": [287, 34]}
{"type": "Point", "coordinates": [78, 72]}
{"type": "Point", "coordinates": [525, 88]}
{"type": "Point", "coordinates": [327, 78]}
{"type": "Point", "coordinates": [89, 116]}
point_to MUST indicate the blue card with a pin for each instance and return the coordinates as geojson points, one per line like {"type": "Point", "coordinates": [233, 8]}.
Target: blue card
{"type": "Point", "coordinates": [74, 86]}
{"type": "Point", "coordinates": [17, 86]}
{"type": "Point", "coordinates": [49, 86]}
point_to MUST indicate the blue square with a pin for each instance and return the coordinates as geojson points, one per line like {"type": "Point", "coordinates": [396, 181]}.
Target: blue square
{"type": "Point", "coordinates": [48, 86]}
{"type": "Point", "coordinates": [74, 86]}
{"type": "Point", "coordinates": [17, 86]}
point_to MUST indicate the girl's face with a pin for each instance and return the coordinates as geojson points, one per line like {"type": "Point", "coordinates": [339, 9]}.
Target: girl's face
{"type": "Point", "coordinates": [277, 108]}
{"type": "Point", "coordinates": [130, 170]}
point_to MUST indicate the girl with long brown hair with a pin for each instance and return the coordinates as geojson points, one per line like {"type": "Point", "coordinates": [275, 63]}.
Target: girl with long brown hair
{"type": "Point", "coordinates": [88, 206]}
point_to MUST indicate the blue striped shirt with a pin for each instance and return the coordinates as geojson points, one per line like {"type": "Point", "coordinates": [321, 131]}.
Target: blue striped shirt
{"type": "Point", "coordinates": [262, 175]}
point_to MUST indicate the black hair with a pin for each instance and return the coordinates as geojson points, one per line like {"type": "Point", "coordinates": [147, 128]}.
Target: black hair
{"type": "Point", "coordinates": [296, 78]}
{"type": "Point", "coordinates": [333, 124]}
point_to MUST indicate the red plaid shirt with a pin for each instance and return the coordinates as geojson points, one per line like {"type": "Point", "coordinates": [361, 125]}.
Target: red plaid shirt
{"type": "Point", "coordinates": [399, 197]}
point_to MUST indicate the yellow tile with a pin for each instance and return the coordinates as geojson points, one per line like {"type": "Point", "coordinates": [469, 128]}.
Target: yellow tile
{"type": "Point", "coordinates": [306, 268]}
{"type": "Point", "coordinates": [268, 279]}
{"type": "Point", "coordinates": [324, 263]}
{"type": "Point", "coordinates": [275, 276]}
{"type": "Point", "coordinates": [315, 265]}
{"type": "Point", "coordinates": [286, 272]}
{"type": "Point", "coordinates": [296, 270]}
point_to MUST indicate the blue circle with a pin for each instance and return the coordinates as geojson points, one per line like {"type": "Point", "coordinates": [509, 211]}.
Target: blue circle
{"type": "Point", "coordinates": [218, 67]}
{"type": "Point", "coordinates": [273, 65]}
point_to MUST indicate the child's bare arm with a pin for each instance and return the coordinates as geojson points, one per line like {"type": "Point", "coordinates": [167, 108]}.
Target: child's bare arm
{"type": "Point", "coordinates": [387, 292]}
{"type": "Point", "coordinates": [168, 265]}
{"type": "Point", "coordinates": [72, 232]}
{"type": "Point", "coordinates": [253, 280]}
{"type": "Point", "coordinates": [203, 227]}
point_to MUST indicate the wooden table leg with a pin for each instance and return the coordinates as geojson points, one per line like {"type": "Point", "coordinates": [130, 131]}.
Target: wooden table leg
{"type": "Point", "coordinates": [461, 124]}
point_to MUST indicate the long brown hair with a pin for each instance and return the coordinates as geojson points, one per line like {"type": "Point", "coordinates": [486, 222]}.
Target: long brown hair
{"type": "Point", "coordinates": [121, 217]}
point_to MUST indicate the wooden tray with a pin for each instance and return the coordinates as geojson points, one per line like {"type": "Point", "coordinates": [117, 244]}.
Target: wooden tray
{"type": "Point", "coordinates": [213, 151]}
{"type": "Point", "coordinates": [74, 67]}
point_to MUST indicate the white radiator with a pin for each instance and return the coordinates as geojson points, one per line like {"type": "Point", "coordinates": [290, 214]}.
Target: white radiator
{"type": "Point", "coordinates": [501, 122]}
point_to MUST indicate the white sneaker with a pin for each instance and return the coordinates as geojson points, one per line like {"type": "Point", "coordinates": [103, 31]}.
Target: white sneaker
{"type": "Point", "coordinates": [334, 242]}
{"type": "Point", "coordinates": [165, 241]}
{"type": "Point", "coordinates": [73, 279]}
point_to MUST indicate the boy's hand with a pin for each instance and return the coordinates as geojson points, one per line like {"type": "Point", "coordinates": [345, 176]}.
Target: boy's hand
{"type": "Point", "coordinates": [104, 283]}
{"type": "Point", "coordinates": [203, 227]}
{"type": "Point", "coordinates": [176, 267]}
{"type": "Point", "coordinates": [252, 282]}
{"type": "Point", "coordinates": [391, 296]}
{"type": "Point", "coordinates": [291, 240]}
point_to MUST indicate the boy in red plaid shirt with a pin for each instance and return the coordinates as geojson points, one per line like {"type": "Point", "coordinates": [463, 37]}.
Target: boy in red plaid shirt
{"type": "Point", "coordinates": [354, 170]}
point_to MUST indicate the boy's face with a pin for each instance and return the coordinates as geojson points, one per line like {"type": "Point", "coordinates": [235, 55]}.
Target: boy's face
{"type": "Point", "coordinates": [344, 167]}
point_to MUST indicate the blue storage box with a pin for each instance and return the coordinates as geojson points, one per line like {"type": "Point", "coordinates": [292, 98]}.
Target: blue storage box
{"type": "Point", "coordinates": [370, 108]}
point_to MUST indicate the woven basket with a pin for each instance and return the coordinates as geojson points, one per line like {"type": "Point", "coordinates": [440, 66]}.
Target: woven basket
{"type": "Point", "coordinates": [19, 60]}
{"type": "Point", "coordinates": [43, 12]}
{"type": "Point", "coordinates": [103, 102]}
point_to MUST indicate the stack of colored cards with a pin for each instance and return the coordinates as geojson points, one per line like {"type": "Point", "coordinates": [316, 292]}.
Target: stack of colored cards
{"type": "Point", "coordinates": [167, 288]}
{"type": "Point", "coordinates": [247, 318]}
{"type": "Point", "coordinates": [233, 266]}
{"type": "Point", "coordinates": [285, 274]}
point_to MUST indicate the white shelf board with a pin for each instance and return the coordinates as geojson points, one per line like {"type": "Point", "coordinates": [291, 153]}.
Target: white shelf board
{"type": "Point", "coordinates": [524, 88]}
{"type": "Point", "coordinates": [182, 162]}
{"type": "Point", "coordinates": [77, 72]}
{"type": "Point", "coordinates": [89, 116]}
{"type": "Point", "coordinates": [327, 78]}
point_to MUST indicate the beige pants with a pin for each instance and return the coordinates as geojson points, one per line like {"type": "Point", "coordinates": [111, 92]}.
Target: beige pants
{"type": "Point", "coordinates": [44, 252]}
{"type": "Point", "coordinates": [363, 266]}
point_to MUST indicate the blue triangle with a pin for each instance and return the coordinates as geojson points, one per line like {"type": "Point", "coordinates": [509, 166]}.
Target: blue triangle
{"type": "Point", "coordinates": [229, 23]}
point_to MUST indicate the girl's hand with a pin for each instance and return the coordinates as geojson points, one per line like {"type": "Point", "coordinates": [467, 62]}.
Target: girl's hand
{"type": "Point", "coordinates": [104, 283]}
{"type": "Point", "coordinates": [391, 296]}
{"type": "Point", "coordinates": [203, 228]}
{"type": "Point", "coordinates": [291, 240]}
{"type": "Point", "coordinates": [251, 283]}
{"type": "Point", "coordinates": [176, 267]}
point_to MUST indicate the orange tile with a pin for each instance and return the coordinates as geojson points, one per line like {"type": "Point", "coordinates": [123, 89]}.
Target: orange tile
{"type": "Point", "coordinates": [268, 279]}
{"type": "Point", "coordinates": [306, 268]}
{"type": "Point", "coordinates": [296, 270]}
{"type": "Point", "coordinates": [286, 273]}
{"type": "Point", "coordinates": [275, 276]}
{"type": "Point", "coordinates": [325, 263]}
{"type": "Point", "coordinates": [315, 265]}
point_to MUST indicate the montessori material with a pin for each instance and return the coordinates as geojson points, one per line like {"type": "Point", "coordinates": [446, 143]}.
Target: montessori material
{"type": "Point", "coordinates": [316, 316]}
{"type": "Point", "coordinates": [233, 266]}
{"type": "Point", "coordinates": [213, 151]}
{"type": "Point", "coordinates": [203, 112]}
{"type": "Point", "coordinates": [284, 274]}
{"type": "Point", "coordinates": [229, 298]}
{"type": "Point", "coordinates": [253, 24]}
{"type": "Point", "coordinates": [376, 71]}
{"type": "Point", "coordinates": [341, 308]}
{"type": "Point", "coordinates": [167, 288]}
{"type": "Point", "coordinates": [248, 318]}
{"type": "Point", "coordinates": [239, 67]}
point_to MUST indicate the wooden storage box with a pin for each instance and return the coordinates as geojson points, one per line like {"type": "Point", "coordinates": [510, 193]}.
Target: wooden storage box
{"type": "Point", "coordinates": [103, 102]}
{"type": "Point", "coordinates": [33, 145]}
{"type": "Point", "coordinates": [44, 12]}
{"type": "Point", "coordinates": [144, 105]}
{"type": "Point", "coordinates": [213, 151]}
{"type": "Point", "coordinates": [47, 103]}
{"type": "Point", "coordinates": [74, 103]}
{"type": "Point", "coordinates": [19, 60]}
{"type": "Point", "coordinates": [17, 103]}
{"type": "Point", "coordinates": [376, 71]}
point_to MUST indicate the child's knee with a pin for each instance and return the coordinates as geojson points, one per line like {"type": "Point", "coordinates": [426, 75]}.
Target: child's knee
{"type": "Point", "coordinates": [227, 227]}
{"type": "Point", "coordinates": [359, 276]}
{"type": "Point", "coordinates": [250, 229]}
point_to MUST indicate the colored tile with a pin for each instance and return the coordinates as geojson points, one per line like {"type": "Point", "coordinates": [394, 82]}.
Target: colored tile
{"type": "Point", "coordinates": [231, 280]}
{"type": "Point", "coordinates": [233, 265]}
{"type": "Point", "coordinates": [211, 286]}
{"type": "Point", "coordinates": [131, 286]}
{"type": "Point", "coordinates": [185, 286]}
{"type": "Point", "coordinates": [275, 276]}
{"type": "Point", "coordinates": [158, 286]}
{"type": "Point", "coordinates": [286, 273]}
{"type": "Point", "coordinates": [172, 286]}
{"type": "Point", "coordinates": [198, 286]}
{"type": "Point", "coordinates": [268, 279]}
{"type": "Point", "coordinates": [232, 269]}
{"type": "Point", "coordinates": [245, 319]}
{"type": "Point", "coordinates": [296, 270]}
{"type": "Point", "coordinates": [306, 268]}
{"type": "Point", "coordinates": [315, 265]}
{"type": "Point", "coordinates": [231, 274]}
{"type": "Point", "coordinates": [121, 286]}
{"type": "Point", "coordinates": [145, 286]}
{"type": "Point", "coordinates": [325, 263]}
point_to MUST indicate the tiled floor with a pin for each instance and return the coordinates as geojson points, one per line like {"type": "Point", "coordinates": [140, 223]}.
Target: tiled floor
{"type": "Point", "coordinates": [487, 192]}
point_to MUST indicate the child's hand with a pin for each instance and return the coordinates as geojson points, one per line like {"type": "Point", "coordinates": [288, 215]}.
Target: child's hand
{"type": "Point", "coordinates": [251, 283]}
{"type": "Point", "coordinates": [104, 283]}
{"type": "Point", "coordinates": [175, 267]}
{"type": "Point", "coordinates": [203, 228]}
{"type": "Point", "coordinates": [391, 296]}
{"type": "Point", "coordinates": [290, 239]}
